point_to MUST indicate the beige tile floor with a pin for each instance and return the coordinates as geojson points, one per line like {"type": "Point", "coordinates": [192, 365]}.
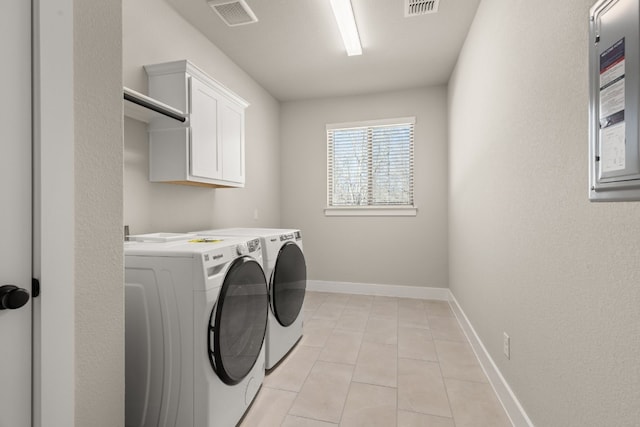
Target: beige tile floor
{"type": "Point", "coordinates": [377, 361]}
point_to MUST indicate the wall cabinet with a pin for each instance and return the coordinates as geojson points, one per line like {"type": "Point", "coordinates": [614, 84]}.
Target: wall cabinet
{"type": "Point", "coordinates": [208, 148]}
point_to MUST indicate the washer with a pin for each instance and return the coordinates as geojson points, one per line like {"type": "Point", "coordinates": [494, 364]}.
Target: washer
{"type": "Point", "coordinates": [196, 318]}
{"type": "Point", "coordinates": [286, 270]}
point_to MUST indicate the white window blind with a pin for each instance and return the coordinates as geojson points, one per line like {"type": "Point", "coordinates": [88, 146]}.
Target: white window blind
{"type": "Point", "coordinates": [370, 164]}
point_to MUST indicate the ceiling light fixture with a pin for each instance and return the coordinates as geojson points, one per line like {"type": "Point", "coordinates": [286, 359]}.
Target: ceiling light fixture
{"type": "Point", "coordinates": [347, 24]}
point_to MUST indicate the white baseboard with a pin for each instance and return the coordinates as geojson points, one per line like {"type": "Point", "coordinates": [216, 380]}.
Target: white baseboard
{"type": "Point", "coordinates": [507, 398]}
{"type": "Point", "coordinates": [418, 292]}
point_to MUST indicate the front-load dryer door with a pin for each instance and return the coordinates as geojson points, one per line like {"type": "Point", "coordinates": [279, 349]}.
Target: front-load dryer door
{"type": "Point", "coordinates": [288, 284]}
{"type": "Point", "coordinates": [238, 321]}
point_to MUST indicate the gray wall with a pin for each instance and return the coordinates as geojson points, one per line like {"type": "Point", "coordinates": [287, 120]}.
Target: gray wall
{"type": "Point", "coordinates": [153, 32]}
{"type": "Point", "coordinates": [408, 251]}
{"type": "Point", "coordinates": [529, 254]}
{"type": "Point", "coordinates": [99, 291]}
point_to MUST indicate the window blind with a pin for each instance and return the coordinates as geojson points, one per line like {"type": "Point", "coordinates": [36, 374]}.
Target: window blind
{"type": "Point", "coordinates": [370, 163]}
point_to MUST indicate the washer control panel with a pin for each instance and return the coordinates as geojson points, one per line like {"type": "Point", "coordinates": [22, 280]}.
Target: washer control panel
{"type": "Point", "coordinates": [248, 247]}
{"type": "Point", "coordinates": [253, 245]}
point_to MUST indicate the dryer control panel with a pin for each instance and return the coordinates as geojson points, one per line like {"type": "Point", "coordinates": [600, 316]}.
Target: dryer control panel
{"type": "Point", "coordinates": [291, 236]}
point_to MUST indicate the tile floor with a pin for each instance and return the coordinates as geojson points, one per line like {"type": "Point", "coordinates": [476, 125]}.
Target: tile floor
{"type": "Point", "coordinates": [377, 361]}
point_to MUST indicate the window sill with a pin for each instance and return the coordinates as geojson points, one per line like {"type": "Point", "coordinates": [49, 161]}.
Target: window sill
{"type": "Point", "coordinates": [371, 211]}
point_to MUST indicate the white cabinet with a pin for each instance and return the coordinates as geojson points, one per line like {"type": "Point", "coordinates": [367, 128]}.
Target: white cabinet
{"type": "Point", "coordinates": [208, 149]}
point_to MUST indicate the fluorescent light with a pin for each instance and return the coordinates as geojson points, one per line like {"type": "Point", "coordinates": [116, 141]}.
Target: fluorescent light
{"type": "Point", "coordinates": [347, 25]}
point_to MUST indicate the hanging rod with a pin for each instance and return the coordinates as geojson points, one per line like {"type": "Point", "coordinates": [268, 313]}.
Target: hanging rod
{"type": "Point", "coordinates": [152, 104]}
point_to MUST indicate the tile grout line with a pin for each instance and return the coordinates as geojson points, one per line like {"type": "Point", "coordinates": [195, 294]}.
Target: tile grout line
{"type": "Point", "coordinates": [446, 389]}
{"type": "Point", "coordinates": [318, 359]}
{"type": "Point", "coordinates": [344, 405]}
{"type": "Point", "coordinates": [306, 376]}
{"type": "Point", "coordinates": [397, 368]}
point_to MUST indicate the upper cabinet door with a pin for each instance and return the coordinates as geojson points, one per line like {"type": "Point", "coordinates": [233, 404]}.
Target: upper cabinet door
{"type": "Point", "coordinates": [205, 158]}
{"type": "Point", "coordinates": [231, 122]}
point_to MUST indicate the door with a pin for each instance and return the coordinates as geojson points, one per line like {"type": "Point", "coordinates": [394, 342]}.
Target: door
{"type": "Point", "coordinates": [231, 124]}
{"type": "Point", "coordinates": [238, 321]}
{"type": "Point", "coordinates": [15, 214]}
{"type": "Point", "coordinates": [288, 284]}
{"type": "Point", "coordinates": [205, 154]}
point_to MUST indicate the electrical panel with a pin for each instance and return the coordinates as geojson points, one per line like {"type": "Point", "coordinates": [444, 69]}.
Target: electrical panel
{"type": "Point", "coordinates": [614, 93]}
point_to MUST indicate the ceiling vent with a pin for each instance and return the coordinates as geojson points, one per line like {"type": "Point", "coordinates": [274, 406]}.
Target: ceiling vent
{"type": "Point", "coordinates": [420, 7]}
{"type": "Point", "coordinates": [236, 12]}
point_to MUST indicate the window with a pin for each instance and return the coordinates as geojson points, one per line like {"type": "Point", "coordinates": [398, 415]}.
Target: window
{"type": "Point", "coordinates": [370, 168]}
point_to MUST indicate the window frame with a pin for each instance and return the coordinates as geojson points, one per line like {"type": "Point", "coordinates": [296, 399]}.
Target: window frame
{"type": "Point", "coordinates": [370, 210]}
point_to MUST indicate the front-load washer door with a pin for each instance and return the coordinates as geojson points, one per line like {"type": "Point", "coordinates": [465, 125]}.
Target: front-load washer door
{"type": "Point", "coordinates": [238, 321]}
{"type": "Point", "coordinates": [288, 284]}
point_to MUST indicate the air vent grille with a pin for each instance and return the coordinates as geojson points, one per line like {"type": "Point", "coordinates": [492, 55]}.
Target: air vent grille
{"type": "Point", "coordinates": [420, 7]}
{"type": "Point", "coordinates": [233, 12]}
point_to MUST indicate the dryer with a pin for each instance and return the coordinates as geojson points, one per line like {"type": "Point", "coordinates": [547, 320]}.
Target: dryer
{"type": "Point", "coordinates": [196, 317]}
{"type": "Point", "coordinates": [286, 272]}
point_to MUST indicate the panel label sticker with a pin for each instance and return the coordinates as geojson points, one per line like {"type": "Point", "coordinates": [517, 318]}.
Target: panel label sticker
{"type": "Point", "coordinates": [613, 153]}
{"type": "Point", "coordinates": [612, 106]}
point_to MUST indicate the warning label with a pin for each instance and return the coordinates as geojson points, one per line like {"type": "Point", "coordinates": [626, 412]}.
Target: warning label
{"type": "Point", "coordinates": [612, 105]}
{"type": "Point", "coordinates": [612, 85]}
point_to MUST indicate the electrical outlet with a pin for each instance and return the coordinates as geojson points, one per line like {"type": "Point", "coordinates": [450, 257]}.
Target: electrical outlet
{"type": "Point", "coordinates": [506, 345]}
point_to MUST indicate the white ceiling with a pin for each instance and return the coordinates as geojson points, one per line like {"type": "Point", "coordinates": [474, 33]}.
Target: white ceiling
{"type": "Point", "coordinates": [295, 52]}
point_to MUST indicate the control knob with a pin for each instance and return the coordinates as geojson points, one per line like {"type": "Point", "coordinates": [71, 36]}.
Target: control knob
{"type": "Point", "coordinates": [242, 249]}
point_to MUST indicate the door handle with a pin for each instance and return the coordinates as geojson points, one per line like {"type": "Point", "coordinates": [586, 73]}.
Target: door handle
{"type": "Point", "coordinates": [12, 297]}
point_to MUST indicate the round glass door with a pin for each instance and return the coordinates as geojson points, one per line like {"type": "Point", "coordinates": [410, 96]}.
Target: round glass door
{"type": "Point", "coordinates": [288, 284]}
{"type": "Point", "coordinates": [238, 321]}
